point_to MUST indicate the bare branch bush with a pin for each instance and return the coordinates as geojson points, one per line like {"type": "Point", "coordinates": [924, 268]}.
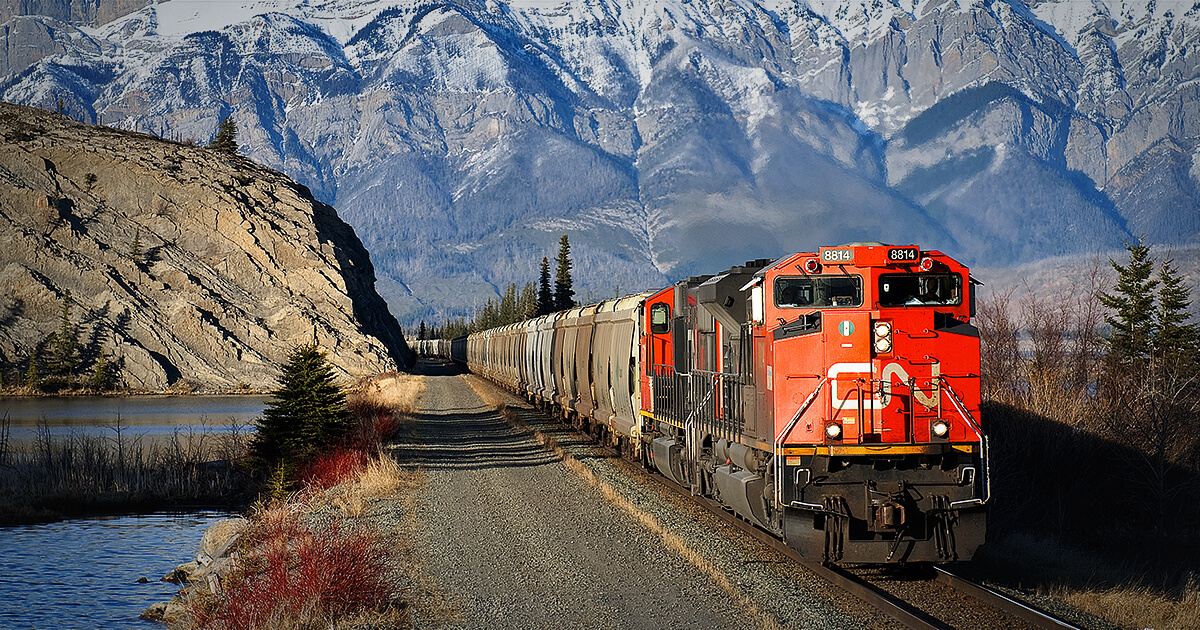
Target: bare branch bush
{"type": "Point", "coordinates": [999, 350]}
{"type": "Point", "coordinates": [77, 473]}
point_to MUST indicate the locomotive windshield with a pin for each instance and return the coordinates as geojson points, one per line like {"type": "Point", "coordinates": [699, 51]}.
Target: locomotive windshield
{"type": "Point", "coordinates": [920, 289]}
{"type": "Point", "coordinates": [809, 291]}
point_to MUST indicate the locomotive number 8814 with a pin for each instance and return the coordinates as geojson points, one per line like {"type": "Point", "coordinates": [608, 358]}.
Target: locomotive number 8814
{"type": "Point", "coordinates": [830, 397]}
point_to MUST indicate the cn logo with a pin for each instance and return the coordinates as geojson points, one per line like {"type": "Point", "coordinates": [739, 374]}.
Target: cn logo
{"type": "Point", "coordinates": [846, 328]}
{"type": "Point", "coordinates": [847, 373]}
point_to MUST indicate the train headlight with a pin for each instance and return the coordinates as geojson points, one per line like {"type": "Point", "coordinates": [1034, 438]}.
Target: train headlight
{"type": "Point", "coordinates": [883, 337]}
{"type": "Point", "coordinates": [939, 428]}
{"type": "Point", "coordinates": [926, 264]}
{"type": "Point", "coordinates": [812, 266]}
{"type": "Point", "coordinates": [833, 430]}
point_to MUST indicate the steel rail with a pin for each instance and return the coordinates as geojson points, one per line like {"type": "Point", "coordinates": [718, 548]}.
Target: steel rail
{"type": "Point", "coordinates": [999, 600]}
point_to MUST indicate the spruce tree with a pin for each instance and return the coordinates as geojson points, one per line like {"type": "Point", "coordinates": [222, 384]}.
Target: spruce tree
{"type": "Point", "coordinates": [1132, 303]}
{"type": "Point", "coordinates": [422, 331]}
{"type": "Point", "coordinates": [306, 413]}
{"type": "Point", "coordinates": [33, 379]}
{"type": "Point", "coordinates": [564, 295]}
{"type": "Point", "coordinates": [135, 248]}
{"type": "Point", "coordinates": [545, 296]}
{"type": "Point", "coordinates": [1175, 340]}
{"type": "Point", "coordinates": [64, 346]}
{"type": "Point", "coordinates": [528, 302]}
{"type": "Point", "coordinates": [226, 139]}
{"type": "Point", "coordinates": [102, 376]}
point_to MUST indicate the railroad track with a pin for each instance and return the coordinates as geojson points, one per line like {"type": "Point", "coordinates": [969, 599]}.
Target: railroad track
{"type": "Point", "coordinates": [894, 607]}
{"type": "Point", "coordinates": [1021, 615]}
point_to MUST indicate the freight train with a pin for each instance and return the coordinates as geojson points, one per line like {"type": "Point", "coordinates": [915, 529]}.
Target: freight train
{"type": "Point", "coordinates": [829, 397]}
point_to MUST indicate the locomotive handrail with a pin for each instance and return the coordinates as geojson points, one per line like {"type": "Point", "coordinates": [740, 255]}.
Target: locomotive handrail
{"type": "Point", "coordinates": [778, 446]}
{"type": "Point", "coordinates": [983, 447]}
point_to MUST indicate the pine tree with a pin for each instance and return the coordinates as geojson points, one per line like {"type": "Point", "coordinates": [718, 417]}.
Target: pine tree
{"type": "Point", "coordinates": [307, 412]}
{"type": "Point", "coordinates": [1175, 340]}
{"type": "Point", "coordinates": [135, 248]}
{"type": "Point", "coordinates": [64, 345]}
{"type": "Point", "coordinates": [33, 379]}
{"type": "Point", "coordinates": [545, 296]}
{"type": "Point", "coordinates": [101, 379]}
{"type": "Point", "coordinates": [508, 305]}
{"type": "Point", "coordinates": [1132, 302]}
{"type": "Point", "coordinates": [564, 295]}
{"type": "Point", "coordinates": [528, 302]}
{"type": "Point", "coordinates": [422, 331]}
{"type": "Point", "coordinates": [226, 139]}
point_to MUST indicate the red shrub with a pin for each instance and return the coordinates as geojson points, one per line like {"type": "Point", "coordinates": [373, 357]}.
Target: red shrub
{"type": "Point", "coordinates": [333, 467]}
{"type": "Point", "coordinates": [305, 575]}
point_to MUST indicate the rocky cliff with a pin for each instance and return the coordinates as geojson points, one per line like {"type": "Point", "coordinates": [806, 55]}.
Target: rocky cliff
{"type": "Point", "coordinates": [188, 267]}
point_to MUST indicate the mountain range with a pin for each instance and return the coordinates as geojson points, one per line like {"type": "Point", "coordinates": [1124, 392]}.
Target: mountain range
{"type": "Point", "coordinates": [461, 139]}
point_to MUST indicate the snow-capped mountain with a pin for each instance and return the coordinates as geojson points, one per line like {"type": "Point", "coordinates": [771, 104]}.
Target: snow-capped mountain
{"type": "Point", "coordinates": [668, 137]}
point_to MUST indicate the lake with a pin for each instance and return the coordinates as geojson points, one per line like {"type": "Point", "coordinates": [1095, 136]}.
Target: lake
{"type": "Point", "coordinates": [83, 573]}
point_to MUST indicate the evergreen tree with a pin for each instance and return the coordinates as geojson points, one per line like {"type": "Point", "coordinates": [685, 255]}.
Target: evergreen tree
{"type": "Point", "coordinates": [489, 317]}
{"type": "Point", "coordinates": [102, 376]}
{"type": "Point", "coordinates": [306, 412]}
{"type": "Point", "coordinates": [422, 332]}
{"type": "Point", "coordinates": [64, 345]}
{"type": "Point", "coordinates": [527, 304]}
{"type": "Point", "coordinates": [564, 295]}
{"type": "Point", "coordinates": [545, 296]}
{"type": "Point", "coordinates": [33, 379]}
{"type": "Point", "coordinates": [135, 248]}
{"type": "Point", "coordinates": [226, 139]}
{"type": "Point", "coordinates": [1132, 303]}
{"type": "Point", "coordinates": [508, 305]}
{"type": "Point", "coordinates": [1175, 340]}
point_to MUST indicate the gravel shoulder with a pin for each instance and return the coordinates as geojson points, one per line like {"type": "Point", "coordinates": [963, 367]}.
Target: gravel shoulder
{"type": "Point", "coordinates": [510, 533]}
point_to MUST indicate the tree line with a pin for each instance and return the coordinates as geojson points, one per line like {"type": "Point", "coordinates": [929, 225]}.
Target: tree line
{"type": "Point", "coordinates": [517, 305]}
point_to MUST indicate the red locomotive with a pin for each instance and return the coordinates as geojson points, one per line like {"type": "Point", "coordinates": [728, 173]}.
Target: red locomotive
{"type": "Point", "coordinates": [829, 397]}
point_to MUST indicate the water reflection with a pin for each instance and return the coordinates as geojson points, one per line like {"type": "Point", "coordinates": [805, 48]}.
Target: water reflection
{"type": "Point", "coordinates": [84, 573]}
{"type": "Point", "coordinates": [61, 416]}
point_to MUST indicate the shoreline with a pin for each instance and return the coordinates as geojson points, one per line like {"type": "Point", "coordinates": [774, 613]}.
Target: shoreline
{"type": "Point", "coordinates": [24, 392]}
{"type": "Point", "coordinates": [45, 516]}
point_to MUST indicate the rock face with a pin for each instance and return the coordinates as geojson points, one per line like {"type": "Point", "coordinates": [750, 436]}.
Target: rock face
{"type": "Point", "coordinates": [668, 137]}
{"type": "Point", "coordinates": [187, 267]}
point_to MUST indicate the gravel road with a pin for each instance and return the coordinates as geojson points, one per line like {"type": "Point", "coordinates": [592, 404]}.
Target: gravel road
{"type": "Point", "coordinates": [512, 534]}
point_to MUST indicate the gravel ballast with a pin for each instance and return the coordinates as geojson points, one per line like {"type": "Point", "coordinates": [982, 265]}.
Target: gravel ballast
{"type": "Point", "coordinates": [510, 532]}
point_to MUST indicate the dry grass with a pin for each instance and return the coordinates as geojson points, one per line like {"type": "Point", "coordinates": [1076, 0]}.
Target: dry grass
{"type": "Point", "coordinates": [673, 542]}
{"type": "Point", "coordinates": [395, 391]}
{"type": "Point", "coordinates": [1138, 608]}
{"type": "Point", "coordinates": [1092, 583]}
{"type": "Point", "coordinates": [296, 572]}
{"type": "Point", "coordinates": [380, 478]}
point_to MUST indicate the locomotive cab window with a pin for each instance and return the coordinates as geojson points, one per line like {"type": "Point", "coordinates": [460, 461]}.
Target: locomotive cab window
{"type": "Point", "coordinates": [809, 291]}
{"type": "Point", "coordinates": [920, 289]}
{"type": "Point", "coordinates": [660, 318]}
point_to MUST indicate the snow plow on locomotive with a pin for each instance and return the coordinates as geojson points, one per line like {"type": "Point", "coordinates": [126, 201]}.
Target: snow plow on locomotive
{"type": "Point", "coordinates": [829, 397]}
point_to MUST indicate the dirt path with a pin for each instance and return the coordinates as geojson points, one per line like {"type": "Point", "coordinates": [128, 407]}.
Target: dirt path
{"type": "Point", "coordinates": [512, 536]}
